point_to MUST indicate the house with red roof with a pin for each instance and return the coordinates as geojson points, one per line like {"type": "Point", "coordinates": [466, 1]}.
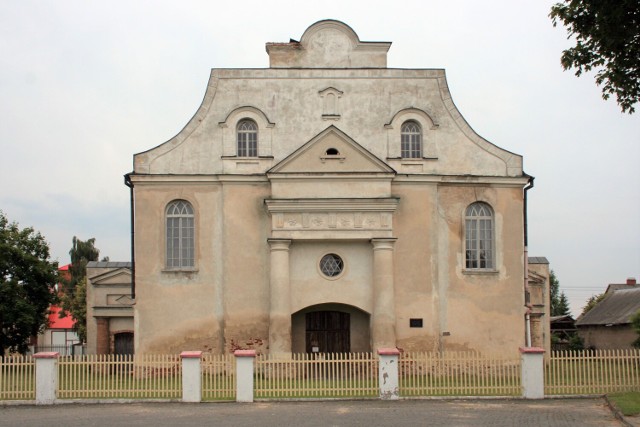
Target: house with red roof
{"type": "Point", "coordinates": [59, 335]}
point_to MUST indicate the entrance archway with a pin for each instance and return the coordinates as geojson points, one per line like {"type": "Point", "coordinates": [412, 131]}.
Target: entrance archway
{"type": "Point", "coordinates": [330, 328]}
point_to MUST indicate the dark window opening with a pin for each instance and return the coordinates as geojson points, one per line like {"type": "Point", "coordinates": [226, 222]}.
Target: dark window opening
{"type": "Point", "coordinates": [415, 323]}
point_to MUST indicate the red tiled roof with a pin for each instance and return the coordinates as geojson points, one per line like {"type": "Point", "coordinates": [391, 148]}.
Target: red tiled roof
{"type": "Point", "coordinates": [55, 322]}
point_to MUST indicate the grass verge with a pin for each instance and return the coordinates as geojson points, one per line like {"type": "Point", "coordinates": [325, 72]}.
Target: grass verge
{"type": "Point", "coordinates": [628, 402]}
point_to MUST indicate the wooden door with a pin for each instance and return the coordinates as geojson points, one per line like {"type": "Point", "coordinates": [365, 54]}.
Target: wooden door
{"type": "Point", "coordinates": [328, 332]}
{"type": "Point", "coordinates": [123, 343]}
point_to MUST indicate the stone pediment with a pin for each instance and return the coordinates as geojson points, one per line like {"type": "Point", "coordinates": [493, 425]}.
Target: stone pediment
{"type": "Point", "coordinates": [331, 152]}
{"type": "Point", "coordinates": [121, 276]}
{"type": "Point", "coordinates": [119, 299]}
{"type": "Point", "coordinates": [535, 278]}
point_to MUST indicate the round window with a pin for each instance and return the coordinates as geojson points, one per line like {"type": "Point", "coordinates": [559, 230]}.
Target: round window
{"type": "Point", "coordinates": [331, 265]}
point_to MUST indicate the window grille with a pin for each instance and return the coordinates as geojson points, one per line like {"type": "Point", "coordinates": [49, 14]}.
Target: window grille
{"type": "Point", "coordinates": [180, 235]}
{"type": "Point", "coordinates": [247, 139]}
{"type": "Point", "coordinates": [411, 140]}
{"type": "Point", "coordinates": [479, 237]}
{"type": "Point", "coordinates": [331, 265]}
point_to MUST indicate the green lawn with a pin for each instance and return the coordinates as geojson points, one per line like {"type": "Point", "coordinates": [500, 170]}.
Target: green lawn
{"type": "Point", "coordinates": [628, 403]}
{"type": "Point", "coordinates": [314, 388]}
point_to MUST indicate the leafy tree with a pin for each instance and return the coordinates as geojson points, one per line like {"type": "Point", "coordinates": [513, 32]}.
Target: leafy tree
{"type": "Point", "coordinates": [607, 36]}
{"type": "Point", "coordinates": [76, 304]}
{"type": "Point", "coordinates": [75, 289]}
{"type": "Point", "coordinates": [592, 301]}
{"type": "Point", "coordinates": [559, 301]}
{"type": "Point", "coordinates": [28, 285]}
{"type": "Point", "coordinates": [635, 324]}
{"type": "Point", "coordinates": [575, 342]}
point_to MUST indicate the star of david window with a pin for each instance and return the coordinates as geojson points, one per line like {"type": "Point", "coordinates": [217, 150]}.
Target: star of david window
{"type": "Point", "coordinates": [331, 265]}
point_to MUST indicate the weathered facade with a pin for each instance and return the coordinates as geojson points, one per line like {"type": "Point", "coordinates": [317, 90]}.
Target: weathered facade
{"type": "Point", "coordinates": [328, 203]}
{"type": "Point", "coordinates": [110, 327]}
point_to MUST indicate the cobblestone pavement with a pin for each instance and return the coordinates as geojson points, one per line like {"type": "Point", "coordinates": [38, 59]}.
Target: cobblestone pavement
{"type": "Point", "coordinates": [493, 413]}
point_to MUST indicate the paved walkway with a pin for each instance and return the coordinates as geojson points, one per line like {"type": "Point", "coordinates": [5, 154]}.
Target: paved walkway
{"type": "Point", "coordinates": [414, 413]}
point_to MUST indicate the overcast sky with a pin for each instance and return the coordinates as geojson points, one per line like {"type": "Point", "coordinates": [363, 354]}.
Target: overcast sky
{"type": "Point", "coordinates": [84, 85]}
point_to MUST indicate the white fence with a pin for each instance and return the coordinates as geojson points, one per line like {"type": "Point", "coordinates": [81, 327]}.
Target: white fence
{"type": "Point", "coordinates": [193, 377]}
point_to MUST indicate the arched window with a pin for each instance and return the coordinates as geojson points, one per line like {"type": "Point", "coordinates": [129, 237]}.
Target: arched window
{"type": "Point", "coordinates": [411, 140]}
{"type": "Point", "coordinates": [479, 237]}
{"type": "Point", "coordinates": [180, 235]}
{"type": "Point", "coordinates": [247, 138]}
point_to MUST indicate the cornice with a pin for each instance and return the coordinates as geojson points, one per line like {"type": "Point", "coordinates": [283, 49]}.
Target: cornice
{"type": "Point", "coordinates": [506, 181]}
{"type": "Point", "coordinates": [196, 179]}
{"type": "Point", "coordinates": [297, 177]}
{"type": "Point", "coordinates": [386, 204]}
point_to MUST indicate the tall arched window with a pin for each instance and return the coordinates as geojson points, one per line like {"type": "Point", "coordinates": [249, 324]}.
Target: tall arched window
{"type": "Point", "coordinates": [411, 140]}
{"type": "Point", "coordinates": [180, 235]}
{"type": "Point", "coordinates": [479, 237]}
{"type": "Point", "coordinates": [247, 138]}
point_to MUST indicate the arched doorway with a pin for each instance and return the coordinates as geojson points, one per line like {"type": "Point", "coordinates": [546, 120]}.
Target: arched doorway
{"type": "Point", "coordinates": [330, 328]}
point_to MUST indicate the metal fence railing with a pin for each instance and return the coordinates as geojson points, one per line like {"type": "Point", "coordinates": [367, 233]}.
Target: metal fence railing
{"type": "Point", "coordinates": [316, 375]}
{"type": "Point", "coordinates": [458, 374]}
{"type": "Point", "coordinates": [17, 378]}
{"type": "Point", "coordinates": [592, 371]}
{"type": "Point", "coordinates": [120, 376]}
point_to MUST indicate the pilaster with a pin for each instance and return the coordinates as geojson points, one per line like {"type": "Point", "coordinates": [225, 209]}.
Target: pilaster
{"type": "Point", "coordinates": [280, 298]}
{"type": "Point", "coordinates": [383, 317]}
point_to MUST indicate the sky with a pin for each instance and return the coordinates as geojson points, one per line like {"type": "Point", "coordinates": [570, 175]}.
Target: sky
{"type": "Point", "coordinates": [85, 84]}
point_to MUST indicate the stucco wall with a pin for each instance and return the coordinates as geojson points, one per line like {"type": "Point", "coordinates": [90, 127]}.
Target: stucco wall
{"type": "Point", "coordinates": [180, 309]}
{"type": "Point", "coordinates": [461, 309]}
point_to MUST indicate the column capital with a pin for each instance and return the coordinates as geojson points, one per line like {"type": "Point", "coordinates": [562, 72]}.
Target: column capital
{"type": "Point", "coordinates": [383, 243]}
{"type": "Point", "coordinates": [279, 244]}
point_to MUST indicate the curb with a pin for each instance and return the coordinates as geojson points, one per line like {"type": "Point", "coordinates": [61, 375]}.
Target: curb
{"type": "Point", "coordinates": [616, 412]}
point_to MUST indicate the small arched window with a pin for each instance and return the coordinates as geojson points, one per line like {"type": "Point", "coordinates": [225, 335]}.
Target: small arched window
{"type": "Point", "coordinates": [247, 138]}
{"type": "Point", "coordinates": [411, 140]}
{"type": "Point", "coordinates": [479, 239]}
{"type": "Point", "coordinates": [180, 235]}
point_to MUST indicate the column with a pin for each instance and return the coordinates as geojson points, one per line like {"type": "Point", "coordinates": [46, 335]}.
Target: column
{"type": "Point", "coordinates": [46, 377]}
{"type": "Point", "coordinates": [191, 376]}
{"type": "Point", "coordinates": [383, 317]}
{"type": "Point", "coordinates": [280, 298]}
{"type": "Point", "coordinates": [532, 359]}
{"type": "Point", "coordinates": [102, 335]}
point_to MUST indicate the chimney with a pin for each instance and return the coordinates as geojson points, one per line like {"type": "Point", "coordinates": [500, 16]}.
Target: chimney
{"type": "Point", "coordinates": [631, 281]}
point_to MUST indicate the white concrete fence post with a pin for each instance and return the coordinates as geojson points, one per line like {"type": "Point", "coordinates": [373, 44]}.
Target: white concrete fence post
{"type": "Point", "coordinates": [244, 375]}
{"type": "Point", "coordinates": [46, 377]}
{"type": "Point", "coordinates": [388, 373]}
{"type": "Point", "coordinates": [191, 376]}
{"type": "Point", "coordinates": [532, 359]}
